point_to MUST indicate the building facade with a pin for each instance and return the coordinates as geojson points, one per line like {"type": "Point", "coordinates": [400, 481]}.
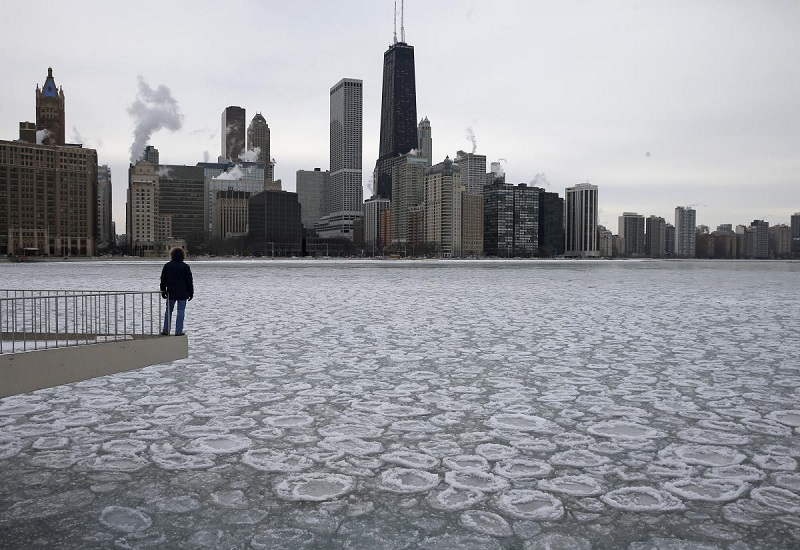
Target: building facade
{"type": "Point", "coordinates": [346, 189]}
{"type": "Point", "coordinates": [274, 224]}
{"type": "Point", "coordinates": [373, 212]}
{"type": "Point", "coordinates": [442, 191]}
{"type": "Point", "coordinates": [232, 133]}
{"type": "Point", "coordinates": [145, 229]}
{"type": "Point", "coordinates": [580, 221]}
{"type": "Point", "coordinates": [181, 197]}
{"type": "Point", "coordinates": [398, 113]}
{"type": "Point", "coordinates": [258, 140]}
{"type": "Point", "coordinates": [408, 181]}
{"type": "Point", "coordinates": [226, 176]}
{"type": "Point", "coordinates": [105, 225]}
{"type": "Point", "coordinates": [311, 186]}
{"type": "Point", "coordinates": [551, 224]}
{"type": "Point", "coordinates": [230, 213]}
{"type": "Point", "coordinates": [425, 140]}
{"type": "Point", "coordinates": [48, 199]}
{"type": "Point", "coordinates": [511, 220]}
{"type": "Point", "coordinates": [631, 232]}
{"type": "Point", "coordinates": [473, 171]}
{"type": "Point", "coordinates": [50, 113]}
{"type": "Point", "coordinates": [685, 231]}
{"type": "Point", "coordinates": [655, 241]}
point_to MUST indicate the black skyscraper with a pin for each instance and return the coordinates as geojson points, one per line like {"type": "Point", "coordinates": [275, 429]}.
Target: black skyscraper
{"type": "Point", "coordinates": [398, 113]}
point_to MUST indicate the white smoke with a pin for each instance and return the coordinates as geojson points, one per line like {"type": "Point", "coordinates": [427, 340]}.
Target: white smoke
{"type": "Point", "coordinates": [42, 135]}
{"type": "Point", "coordinates": [471, 137]}
{"type": "Point", "coordinates": [164, 172]}
{"type": "Point", "coordinates": [497, 170]}
{"type": "Point", "coordinates": [540, 180]}
{"type": "Point", "coordinates": [233, 173]}
{"type": "Point", "coordinates": [206, 156]}
{"type": "Point", "coordinates": [251, 155]}
{"type": "Point", "coordinates": [415, 152]}
{"type": "Point", "coordinates": [151, 111]}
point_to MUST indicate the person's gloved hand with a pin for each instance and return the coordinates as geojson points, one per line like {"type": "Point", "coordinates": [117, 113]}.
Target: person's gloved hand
{"type": "Point", "coordinates": [164, 295]}
{"type": "Point", "coordinates": [190, 297]}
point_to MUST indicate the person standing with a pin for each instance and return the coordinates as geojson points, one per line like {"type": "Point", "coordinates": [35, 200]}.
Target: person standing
{"type": "Point", "coordinates": [176, 286]}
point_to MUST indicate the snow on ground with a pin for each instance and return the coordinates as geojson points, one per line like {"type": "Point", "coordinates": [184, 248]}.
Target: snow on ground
{"type": "Point", "coordinates": [427, 405]}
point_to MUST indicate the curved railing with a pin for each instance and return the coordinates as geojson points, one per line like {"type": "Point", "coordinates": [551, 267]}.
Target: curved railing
{"type": "Point", "coordinates": [43, 319]}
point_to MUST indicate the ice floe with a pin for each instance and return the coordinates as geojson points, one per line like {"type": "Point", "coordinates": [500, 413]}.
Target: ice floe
{"type": "Point", "coordinates": [269, 460]}
{"type": "Point", "coordinates": [642, 499]}
{"type": "Point", "coordinates": [218, 444]}
{"type": "Point", "coordinates": [124, 519]}
{"type": "Point", "coordinates": [708, 490]}
{"type": "Point", "coordinates": [315, 487]}
{"type": "Point", "coordinates": [577, 485]}
{"type": "Point", "coordinates": [451, 499]}
{"type": "Point", "coordinates": [486, 523]}
{"type": "Point", "coordinates": [523, 468]}
{"type": "Point", "coordinates": [530, 504]}
{"type": "Point", "coordinates": [408, 480]}
{"type": "Point", "coordinates": [523, 423]}
{"type": "Point", "coordinates": [777, 498]}
{"type": "Point", "coordinates": [621, 429]}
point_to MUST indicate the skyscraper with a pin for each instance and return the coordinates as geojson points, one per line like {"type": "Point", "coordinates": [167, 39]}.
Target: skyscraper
{"type": "Point", "coordinates": [232, 133]}
{"type": "Point", "coordinates": [346, 191]}
{"type": "Point", "coordinates": [473, 171]}
{"type": "Point", "coordinates": [258, 138]}
{"type": "Point", "coordinates": [442, 192]}
{"type": "Point", "coordinates": [408, 177]}
{"type": "Point", "coordinates": [398, 112]}
{"type": "Point", "coordinates": [511, 220]}
{"type": "Point", "coordinates": [631, 231]}
{"type": "Point", "coordinates": [655, 241]}
{"type": "Point", "coordinates": [48, 190]}
{"type": "Point", "coordinates": [105, 228]}
{"type": "Point", "coordinates": [551, 224]}
{"type": "Point", "coordinates": [580, 213]}
{"type": "Point", "coordinates": [685, 231]}
{"type": "Point", "coordinates": [50, 113]}
{"type": "Point", "coordinates": [310, 186]}
{"type": "Point", "coordinates": [425, 140]}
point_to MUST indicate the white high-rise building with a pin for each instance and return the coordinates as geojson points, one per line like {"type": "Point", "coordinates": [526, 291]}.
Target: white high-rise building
{"type": "Point", "coordinates": [685, 231]}
{"type": "Point", "coordinates": [343, 202]}
{"type": "Point", "coordinates": [580, 221]}
{"type": "Point", "coordinates": [473, 172]}
{"type": "Point", "coordinates": [346, 146]}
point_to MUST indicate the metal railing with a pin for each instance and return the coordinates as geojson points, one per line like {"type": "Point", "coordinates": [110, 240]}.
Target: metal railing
{"type": "Point", "coordinates": [42, 319]}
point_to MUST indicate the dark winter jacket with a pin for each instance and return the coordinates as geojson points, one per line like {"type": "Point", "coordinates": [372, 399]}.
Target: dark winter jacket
{"type": "Point", "coordinates": [176, 278]}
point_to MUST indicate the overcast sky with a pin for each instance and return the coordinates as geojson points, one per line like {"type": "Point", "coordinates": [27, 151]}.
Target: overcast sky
{"type": "Point", "coordinates": [658, 103]}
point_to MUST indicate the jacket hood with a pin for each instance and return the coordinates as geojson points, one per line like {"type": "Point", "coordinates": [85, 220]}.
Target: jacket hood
{"type": "Point", "coordinates": [177, 254]}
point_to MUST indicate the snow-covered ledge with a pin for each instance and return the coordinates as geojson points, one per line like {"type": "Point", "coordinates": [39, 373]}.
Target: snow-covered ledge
{"type": "Point", "coordinates": [33, 370]}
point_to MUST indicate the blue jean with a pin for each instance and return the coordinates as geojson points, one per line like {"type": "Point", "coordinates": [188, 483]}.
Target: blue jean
{"type": "Point", "coordinates": [178, 319]}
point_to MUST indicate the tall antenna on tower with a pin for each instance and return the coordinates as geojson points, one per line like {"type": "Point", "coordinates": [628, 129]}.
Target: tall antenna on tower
{"type": "Point", "coordinates": [395, 21]}
{"type": "Point", "coordinates": [402, 28]}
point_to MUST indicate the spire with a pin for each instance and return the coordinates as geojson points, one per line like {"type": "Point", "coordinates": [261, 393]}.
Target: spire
{"type": "Point", "coordinates": [395, 22]}
{"type": "Point", "coordinates": [402, 28]}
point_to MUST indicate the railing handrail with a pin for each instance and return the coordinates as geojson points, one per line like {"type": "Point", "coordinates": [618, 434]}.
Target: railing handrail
{"type": "Point", "coordinates": [32, 319]}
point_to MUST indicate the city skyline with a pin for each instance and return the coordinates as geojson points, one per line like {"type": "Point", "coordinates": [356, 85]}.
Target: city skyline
{"type": "Point", "coordinates": [659, 106]}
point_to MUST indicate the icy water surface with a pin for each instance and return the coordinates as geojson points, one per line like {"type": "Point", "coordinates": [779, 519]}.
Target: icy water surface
{"type": "Point", "coordinates": [440, 405]}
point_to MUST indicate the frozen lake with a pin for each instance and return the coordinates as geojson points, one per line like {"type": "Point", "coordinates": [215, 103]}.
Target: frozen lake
{"type": "Point", "coordinates": [433, 405]}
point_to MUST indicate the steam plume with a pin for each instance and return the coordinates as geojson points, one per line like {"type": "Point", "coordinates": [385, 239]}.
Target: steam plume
{"type": "Point", "coordinates": [540, 180]}
{"type": "Point", "coordinates": [233, 173]}
{"type": "Point", "coordinates": [151, 111]}
{"type": "Point", "coordinates": [251, 155]}
{"type": "Point", "coordinates": [471, 137]}
{"type": "Point", "coordinates": [42, 135]}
